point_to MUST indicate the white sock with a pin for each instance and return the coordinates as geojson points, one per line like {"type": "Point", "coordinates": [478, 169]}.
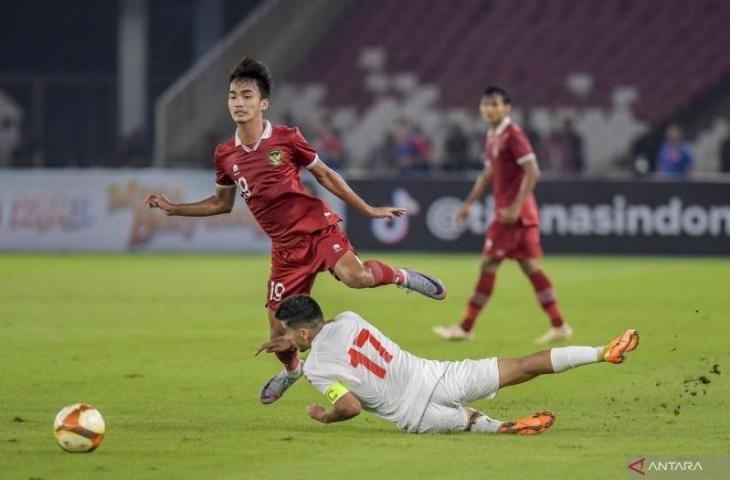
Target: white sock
{"type": "Point", "coordinates": [484, 424]}
{"type": "Point", "coordinates": [566, 358]}
{"type": "Point", "coordinates": [297, 372]}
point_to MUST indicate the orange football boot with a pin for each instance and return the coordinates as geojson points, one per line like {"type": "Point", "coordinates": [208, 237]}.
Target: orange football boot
{"type": "Point", "coordinates": [614, 352]}
{"type": "Point", "coordinates": [535, 424]}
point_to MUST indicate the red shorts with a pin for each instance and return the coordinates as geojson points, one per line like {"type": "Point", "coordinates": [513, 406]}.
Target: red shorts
{"type": "Point", "coordinates": [516, 241]}
{"type": "Point", "coordinates": [294, 267]}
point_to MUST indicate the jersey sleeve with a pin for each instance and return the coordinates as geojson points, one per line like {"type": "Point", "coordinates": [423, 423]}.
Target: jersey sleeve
{"type": "Point", "coordinates": [326, 383]}
{"type": "Point", "coordinates": [304, 154]}
{"type": "Point", "coordinates": [221, 177]}
{"type": "Point", "coordinates": [520, 146]}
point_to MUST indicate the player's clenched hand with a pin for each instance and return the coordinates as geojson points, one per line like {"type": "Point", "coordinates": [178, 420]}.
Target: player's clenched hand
{"type": "Point", "coordinates": [159, 200]}
{"type": "Point", "coordinates": [276, 344]}
{"type": "Point", "coordinates": [463, 214]}
{"type": "Point", "coordinates": [386, 212]}
{"type": "Point", "coordinates": [317, 412]}
{"type": "Point", "coordinates": [508, 216]}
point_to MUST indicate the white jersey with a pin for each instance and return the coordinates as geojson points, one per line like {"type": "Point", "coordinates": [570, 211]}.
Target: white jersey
{"type": "Point", "coordinates": [389, 382]}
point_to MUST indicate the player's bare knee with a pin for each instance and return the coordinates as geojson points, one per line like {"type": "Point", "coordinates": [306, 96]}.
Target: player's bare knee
{"type": "Point", "coordinates": [509, 371]}
{"type": "Point", "coordinates": [490, 265]}
{"type": "Point", "coordinates": [517, 366]}
{"type": "Point", "coordinates": [529, 266]}
{"type": "Point", "coordinates": [524, 365]}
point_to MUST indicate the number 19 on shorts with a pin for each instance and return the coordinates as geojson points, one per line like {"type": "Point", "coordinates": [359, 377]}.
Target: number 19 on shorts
{"type": "Point", "coordinates": [276, 291]}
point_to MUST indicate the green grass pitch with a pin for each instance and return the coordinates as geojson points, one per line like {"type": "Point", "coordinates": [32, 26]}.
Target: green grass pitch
{"type": "Point", "coordinates": [163, 345]}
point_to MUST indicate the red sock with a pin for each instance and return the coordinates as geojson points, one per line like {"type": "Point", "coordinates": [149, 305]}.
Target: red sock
{"type": "Point", "coordinates": [479, 298]}
{"type": "Point", "coordinates": [290, 359]}
{"type": "Point", "coordinates": [384, 274]}
{"type": "Point", "coordinates": [546, 296]}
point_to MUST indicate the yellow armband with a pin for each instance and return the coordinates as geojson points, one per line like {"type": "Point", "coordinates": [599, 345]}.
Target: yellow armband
{"type": "Point", "coordinates": [335, 391]}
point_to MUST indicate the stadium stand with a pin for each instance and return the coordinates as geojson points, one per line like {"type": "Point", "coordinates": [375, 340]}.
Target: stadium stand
{"type": "Point", "coordinates": [488, 38]}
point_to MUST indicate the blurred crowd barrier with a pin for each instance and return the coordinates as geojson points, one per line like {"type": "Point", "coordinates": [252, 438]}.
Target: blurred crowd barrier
{"type": "Point", "coordinates": [103, 210]}
{"type": "Point", "coordinates": [576, 216]}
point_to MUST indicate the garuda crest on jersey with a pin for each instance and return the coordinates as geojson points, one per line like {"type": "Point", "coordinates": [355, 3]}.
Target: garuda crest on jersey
{"type": "Point", "coordinates": [275, 158]}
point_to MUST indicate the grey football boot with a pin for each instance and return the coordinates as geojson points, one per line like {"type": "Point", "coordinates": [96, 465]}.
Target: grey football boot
{"type": "Point", "coordinates": [424, 284]}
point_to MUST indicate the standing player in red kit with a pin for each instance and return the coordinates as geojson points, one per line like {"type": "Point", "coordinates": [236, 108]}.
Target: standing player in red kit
{"type": "Point", "coordinates": [263, 161]}
{"type": "Point", "coordinates": [511, 168]}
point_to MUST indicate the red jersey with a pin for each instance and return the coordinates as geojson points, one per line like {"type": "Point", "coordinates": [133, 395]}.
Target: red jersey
{"type": "Point", "coordinates": [267, 176]}
{"type": "Point", "coordinates": [507, 149]}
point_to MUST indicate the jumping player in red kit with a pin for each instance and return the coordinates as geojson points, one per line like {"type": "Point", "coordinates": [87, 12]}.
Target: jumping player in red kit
{"type": "Point", "coordinates": [263, 161]}
{"type": "Point", "coordinates": [511, 168]}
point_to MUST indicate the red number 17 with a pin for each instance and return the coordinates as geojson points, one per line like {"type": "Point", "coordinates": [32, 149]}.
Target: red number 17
{"type": "Point", "coordinates": [357, 357]}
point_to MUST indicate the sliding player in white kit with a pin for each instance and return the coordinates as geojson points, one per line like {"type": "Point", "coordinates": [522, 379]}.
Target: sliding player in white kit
{"type": "Point", "coordinates": [358, 368]}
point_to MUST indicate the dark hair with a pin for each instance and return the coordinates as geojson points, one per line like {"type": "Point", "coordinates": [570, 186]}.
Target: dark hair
{"type": "Point", "coordinates": [299, 311]}
{"type": "Point", "coordinates": [495, 90]}
{"type": "Point", "coordinates": [250, 68]}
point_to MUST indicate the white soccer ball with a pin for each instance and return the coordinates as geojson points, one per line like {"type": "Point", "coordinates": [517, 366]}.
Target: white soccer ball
{"type": "Point", "coordinates": [79, 428]}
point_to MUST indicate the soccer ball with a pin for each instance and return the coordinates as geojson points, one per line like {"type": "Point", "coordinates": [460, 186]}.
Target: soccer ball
{"type": "Point", "coordinates": [79, 428]}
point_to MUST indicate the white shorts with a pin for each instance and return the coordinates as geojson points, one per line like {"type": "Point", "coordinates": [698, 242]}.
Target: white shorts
{"type": "Point", "coordinates": [463, 382]}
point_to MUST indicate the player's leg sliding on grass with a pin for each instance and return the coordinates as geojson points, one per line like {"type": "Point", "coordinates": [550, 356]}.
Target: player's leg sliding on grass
{"type": "Point", "coordinates": [513, 371]}
{"type": "Point", "coordinates": [446, 411]}
{"type": "Point", "coordinates": [353, 273]}
{"type": "Point", "coordinates": [358, 368]}
{"type": "Point", "coordinates": [511, 169]}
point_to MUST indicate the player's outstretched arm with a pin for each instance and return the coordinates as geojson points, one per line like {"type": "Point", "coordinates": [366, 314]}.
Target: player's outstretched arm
{"type": "Point", "coordinates": [333, 182]}
{"type": "Point", "coordinates": [481, 185]}
{"type": "Point", "coordinates": [345, 408]}
{"type": "Point", "coordinates": [221, 202]}
{"type": "Point", "coordinates": [281, 343]}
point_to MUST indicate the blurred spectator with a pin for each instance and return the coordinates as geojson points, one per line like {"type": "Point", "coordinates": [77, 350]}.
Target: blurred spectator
{"type": "Point", "coordinates": [408, 150]}
{"type": "Point", "coordinates": [532, 135]}
{"type": "Point", "coordinates": [288, 119]}
{"type": "Point", "coordinates": [574, 143]}
{"type": "Point", "coordinates": [328, 145]}
{"type": "Point", "coordinates": [562, 151]}
{"type": "Point", "coordinates": [28, 154]}
{"type": "Point", "coordinates": [674, 159]}
{"type": "Point", "coordinates": [423, 148]}
{"type": "Point", "coordinates": [10, 118]}
{"type": "Point", "coordinates": [478, 149]}
{"type": "Point", "coordinates": [132, 151]}
{"type": "Point", "coordinates": [642, 155]}
{"type": "Point", "coordinates": [725, 156]}
{"type": "Point", "coordinates": [552, 152]}
{"type": "Point", "coordinates": [381, 160]}
{"type": "Point", "coordinates": [456, 149]}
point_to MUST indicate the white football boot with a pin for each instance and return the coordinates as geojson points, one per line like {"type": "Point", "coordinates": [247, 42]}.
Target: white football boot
{"type": "Point", "coordinates": [555, 334]}
{"type": "Point", "coordinates": [453, 332]}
